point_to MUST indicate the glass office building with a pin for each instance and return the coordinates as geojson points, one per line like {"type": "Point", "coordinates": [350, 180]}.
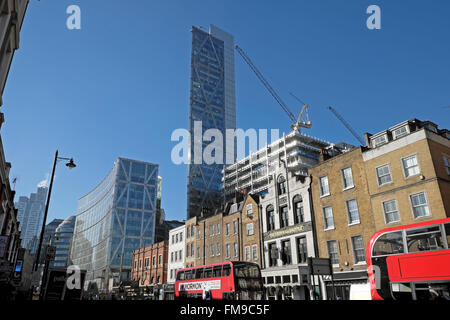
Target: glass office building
{"type": "Point", "coordinates": [61, 241]}
{"type": "Point", "coordinates": [212, 101]}
{"type": "Point", "coordinates": [115, 218]}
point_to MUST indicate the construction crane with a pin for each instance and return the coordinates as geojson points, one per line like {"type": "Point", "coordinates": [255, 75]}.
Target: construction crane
{"type": "Point", "coordinates": [347, 126]}
{"type": "Point", "coordinates": [297, 122]}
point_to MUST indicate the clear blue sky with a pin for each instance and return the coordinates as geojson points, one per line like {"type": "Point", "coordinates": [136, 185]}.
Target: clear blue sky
{"type": "Point", "coordinates": [120, 85]}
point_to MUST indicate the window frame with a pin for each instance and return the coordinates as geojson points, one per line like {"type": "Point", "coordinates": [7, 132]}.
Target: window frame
{"type": "Point", "coordinates": [344, 180]}
{"type": "Point", "coordinates": [404, 169]}
{"type": "Point", "coordinates": [322, 194]}
{"type": "Point", "coordinates": [427, 205]}
{"type": "Point", "coordinates": [378, 176]}
{"type": "Point", "coordinates": [384, 211]}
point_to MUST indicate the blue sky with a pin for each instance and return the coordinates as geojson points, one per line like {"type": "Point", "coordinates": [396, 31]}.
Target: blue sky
{"type": "Point", "coordinates": [120, 85]}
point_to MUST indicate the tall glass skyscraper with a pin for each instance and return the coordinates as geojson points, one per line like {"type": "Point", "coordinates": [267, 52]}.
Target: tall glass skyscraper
{"type": "Point", "coordinates": [30, 214]}
{"type": "Point", "coordinates": [61, 241]}
{"type": "Point", "coordinates": [212, 101]}
{"type": "Point", "coordinates": [114, 219]}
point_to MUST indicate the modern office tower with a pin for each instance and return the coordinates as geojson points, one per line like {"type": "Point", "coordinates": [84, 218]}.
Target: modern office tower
{"type": "Point", "coordinates": [212, 101]}
{"type": "Point", "coordinates": [254, 173]}
{"type": "Point", "coordinates": [47, 239]}
{"type": "Point", "coordinates": [61, 241]}
{"type": "Point", "coordinates": [115, 218]}
{"type": "Point", "coordinates": [31, 214]}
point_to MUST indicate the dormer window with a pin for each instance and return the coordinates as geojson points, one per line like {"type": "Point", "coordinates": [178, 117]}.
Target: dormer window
{"type": "Point", "coordinates": [378, 141]}
{"type": "Point", "coordinates": [400, 132]}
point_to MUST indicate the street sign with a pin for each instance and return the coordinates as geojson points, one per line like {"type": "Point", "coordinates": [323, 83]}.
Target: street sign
{"type": "Point", "coordinates": [320, 266]}
{"type": "Point", "coordinates": [50, 252]}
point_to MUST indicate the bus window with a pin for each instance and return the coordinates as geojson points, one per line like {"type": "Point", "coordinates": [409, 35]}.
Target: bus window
{"type": "Point", "coordinates": [180, 275]}
{"type": "Point", "coordinates": [401, 291]}
{"type": "Point", "coordinates": [187, 275]}
{"type": "Point", "coordinates": [208, 273]}
{"type": "Point", "coordinates": [447, 232]}
{"type": "Point", "coordinates": [217, 271]}
{"type": "Point", "coordinates": [198, 273]}
{"type": "Point", "coordinates": [424, 239]}
{"type": "Point", "coordinates": [387, 244]}
{"type": "Point", "coordinates": [226, 270]}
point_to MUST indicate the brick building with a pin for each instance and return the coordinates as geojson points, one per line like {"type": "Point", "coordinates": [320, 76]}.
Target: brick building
{"type": "Point", "coordinates": [230, 233]}
{"type": "Point", "coordinates": [150, 265]}
{"type": "Point", "coordinates": [408, 173]}
{"type": "Point", "coordinates": [343, 218]}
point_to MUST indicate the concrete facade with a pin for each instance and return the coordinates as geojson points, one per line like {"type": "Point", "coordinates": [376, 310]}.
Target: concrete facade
{"type": "Point", "coordinates": [176, 252]}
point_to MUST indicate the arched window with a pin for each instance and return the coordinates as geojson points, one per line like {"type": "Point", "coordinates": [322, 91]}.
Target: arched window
{"type": "Point", "coordinates": [281, 185]}
{"type": "Point", "coordinates": [297, 203]}
{"type": "Point", "coordinates": [270, 215]}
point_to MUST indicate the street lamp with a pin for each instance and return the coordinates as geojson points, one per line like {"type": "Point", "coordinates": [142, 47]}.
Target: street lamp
{"type": "Point", "coordinates": [70, 165]}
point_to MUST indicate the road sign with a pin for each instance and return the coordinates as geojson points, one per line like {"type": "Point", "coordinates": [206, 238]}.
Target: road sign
{"type": "Point", "coordinates": [320, 266]}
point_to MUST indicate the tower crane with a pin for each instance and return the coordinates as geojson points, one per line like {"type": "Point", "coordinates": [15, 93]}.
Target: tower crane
{"type": "Point", "coordinates": [345, 123]}
{"type": "Point", "coordinates": [297, 122]}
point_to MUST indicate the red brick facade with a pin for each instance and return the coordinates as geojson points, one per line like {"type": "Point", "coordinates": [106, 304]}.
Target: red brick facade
{"type": "Point", "coordinates": [150, 264]}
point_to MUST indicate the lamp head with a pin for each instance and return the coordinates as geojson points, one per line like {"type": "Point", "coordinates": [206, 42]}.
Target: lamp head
{"type": "Point", "coordinates": [71, 164]}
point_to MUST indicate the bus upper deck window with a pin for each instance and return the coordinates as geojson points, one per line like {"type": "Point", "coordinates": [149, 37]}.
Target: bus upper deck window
{"type": "Point", "coordinates": [198, 273]}
{"type": "Point", "coordinates": [447, 232]}
{"type": "Point", "coordinates": [424, 239]}
{"type": "Point", "coordinates": [217, 270]}
{"type": "Point", "coordinates": [226, 270]}
{"type": "Point", "coordinates": [180, 275]}
{"type": "Point", "coordinates": [387, 244]}
{"type": "Point", "coordinates": [208, 273]}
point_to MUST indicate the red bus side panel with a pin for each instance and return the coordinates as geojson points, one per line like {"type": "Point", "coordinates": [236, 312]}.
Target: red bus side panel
{"type": "Point", "coordinates": [420, 266]}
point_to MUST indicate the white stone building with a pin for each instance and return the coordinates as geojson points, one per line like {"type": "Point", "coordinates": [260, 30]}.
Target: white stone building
{"type": "Point", "coordinates": [176, 252]}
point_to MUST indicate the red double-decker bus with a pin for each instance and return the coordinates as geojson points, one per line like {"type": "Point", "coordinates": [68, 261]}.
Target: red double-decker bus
{"type": "Point", "coordinates": [410, 262]}
{"type": "Point", "coordinates": [231, 280]}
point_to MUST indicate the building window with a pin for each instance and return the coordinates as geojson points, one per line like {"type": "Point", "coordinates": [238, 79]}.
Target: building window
{"type": "Point", "coordinates": [391, 211]}
{"type": "Point", "coordinates": [218, 228]}
{"type": "Point", "coordinates": [419, 205]}
{"type": "Point", "coordinates": [176, 237]}
{"type": "Point", "coordinates": [235, 227]}
{"type": "Point", "coordinates": [181, 236]}
{"type": "Point", "coordinates": [192, 231]}
{"type": "Point", "coordinates": [173, 238]}
{"type": "Point", "coordinates": [273, 254]}
{"type": "Point", "coordinates": [249, 209]}
{"type": "Point", "coordinates": [227, 229]}
{"type": "Point", "coordinates": [328, 218]}
{"type": "Point", "coordinates": [236, 249]}
{"type": "Point", "coordinates": [247, 253]}
{"type": "Point", "coordinates": [227, 253]}
{"type": "Point", "coordinates": [410, 166]}
{"type": "Point", "coordinates": [352, 211]}
{"type": "Point", "coordinates": [171, 257]}
{"type": "Point", "coordinates": [211, 250]}
{"type": "Point", "coordinates": [324, 187]}
{"type": "Point", "coordinates": [358, 249]}
{"type": "Point", "coordinates": [281, 186]}
{"type": "Point", "coordinates": [160, 259]}
{"type": "Point", "coordinates": [218, 249]}
{"type": "Point", "coordinates": [270, 218]}
{"type": "Point", "coordinates": [153, 260]}
{"type": "Point", "coordinates": [198, 252]}
{"type": "Point", "coordinates": [188, 233]}
{"type": "Point", "coordinates": [211, 230]}
{"type": "Point", "coordinates": [384, 175]}
{"type": "Point", "coordinates": [199, 234]}
{"type": "Point", "coordinates": [192, 250]}
{"type": "Point", "coordinates": [255, 252]}
{"type": "Point", "coordinates": [379, 141]}
{"type": "Point", "coordinates": [332, 251]}
{"type": "Point", "coordinates": [298, 210]}
{"type": "Point", "coordinates": [250, 229]}
{"type": "Point", "coordinates": [347, 178]}
{"type": "Point", "coordinates": [302, 250]}
{"type": "Point", "coordinates": [284, 219]}
{"type": "Point", "coordinates": [447, 164]}
{"type": "Point", "coordinates": [400, 132]}
{"type": "Point", "coordinates": [286, 257]}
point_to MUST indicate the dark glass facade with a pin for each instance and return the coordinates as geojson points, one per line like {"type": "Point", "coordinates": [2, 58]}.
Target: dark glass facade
{"type": "Point", "coordinates": [212, 103]}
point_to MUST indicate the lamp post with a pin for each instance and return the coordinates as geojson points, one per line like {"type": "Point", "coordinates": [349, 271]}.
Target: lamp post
{"type": "Point", "coordinates": [70, 165]}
